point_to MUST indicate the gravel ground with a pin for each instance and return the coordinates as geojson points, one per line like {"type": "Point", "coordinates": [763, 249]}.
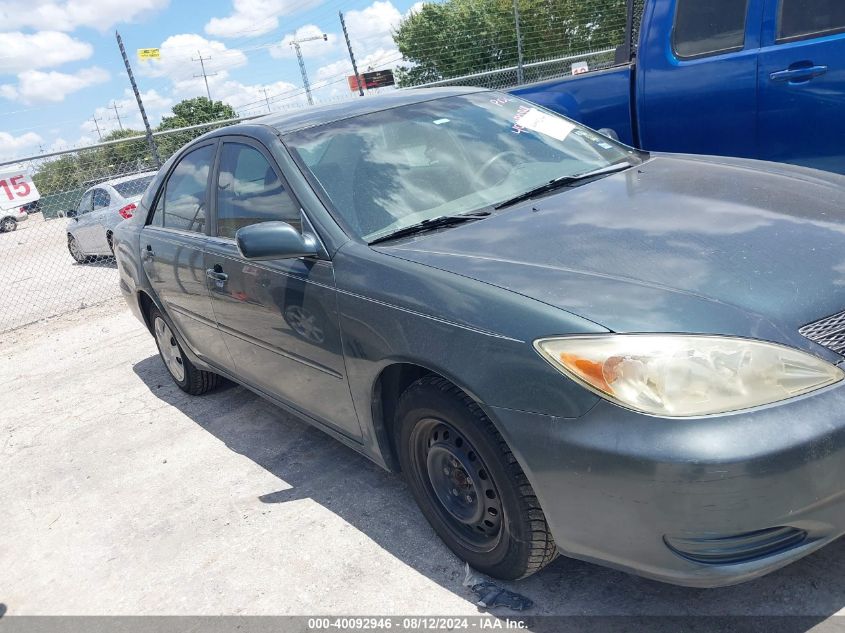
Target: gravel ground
{"type": "Point", "coordinates": [122, 495]}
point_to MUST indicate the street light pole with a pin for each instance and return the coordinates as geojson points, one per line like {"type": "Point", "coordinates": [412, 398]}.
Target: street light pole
{"type": "Point", "coordinates": [296, 45]}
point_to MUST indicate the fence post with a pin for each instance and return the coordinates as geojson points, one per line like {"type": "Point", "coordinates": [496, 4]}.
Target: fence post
{"type": "Point", "coordinates": [351, 55]}
{"type": "Point", "coordinates": [150, 141]}
{"type": "Point", "coordinates": [519, 70]}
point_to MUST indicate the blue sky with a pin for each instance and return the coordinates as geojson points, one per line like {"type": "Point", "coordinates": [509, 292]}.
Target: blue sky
{"type": "Point", "coordinates": [60, 65]}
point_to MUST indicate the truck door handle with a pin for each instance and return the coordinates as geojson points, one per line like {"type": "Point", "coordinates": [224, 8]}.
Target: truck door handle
{"type": "Point", "coordinates": [216, 274]}
{"type": "Point", "coordinates": [804, 73]}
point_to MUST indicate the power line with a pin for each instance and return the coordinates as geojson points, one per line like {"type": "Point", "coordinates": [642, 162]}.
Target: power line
{"type": "Point", "coordinates": [204, 74]}
{"type": "Point", "coordinates": [97, 125]}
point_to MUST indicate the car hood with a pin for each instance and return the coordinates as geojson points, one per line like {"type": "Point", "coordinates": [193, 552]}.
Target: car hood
{"type": "Point", "coordinates": [678, 243]}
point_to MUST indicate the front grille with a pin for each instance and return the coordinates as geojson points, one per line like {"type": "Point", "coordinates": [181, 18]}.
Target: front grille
{"type": "Point", "coordinates": [829, 332]}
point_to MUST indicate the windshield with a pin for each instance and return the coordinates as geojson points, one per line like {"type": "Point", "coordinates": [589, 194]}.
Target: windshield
{"type": "Point", "coordinates": [395, 168]}
{"type": "Point", "coordinates": [136, 187]}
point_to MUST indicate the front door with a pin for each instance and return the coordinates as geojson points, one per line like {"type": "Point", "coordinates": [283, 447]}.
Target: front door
{"type": "Point", "coordinates": [802, 83]}
{"type": "Point", "coordinates": [172, 253]}
{"type": "Point", "coordinates": [83, 221]}
{"type": "Point", "coordinates": [278, 318]}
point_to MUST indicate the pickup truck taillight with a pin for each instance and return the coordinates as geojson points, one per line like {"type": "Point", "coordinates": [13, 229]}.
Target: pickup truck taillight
{"type": "Point", "coordinates": [128, 211]}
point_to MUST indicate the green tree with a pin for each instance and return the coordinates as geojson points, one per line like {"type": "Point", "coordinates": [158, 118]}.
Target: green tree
{"type": "Point", "coordinates": [461, 37]}
{"type": "Point", "coordinates": [186, 113]}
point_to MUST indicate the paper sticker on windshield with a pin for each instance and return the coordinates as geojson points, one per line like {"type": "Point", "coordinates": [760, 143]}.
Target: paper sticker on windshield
{"type": "Point", "coordinates": [538, 121]}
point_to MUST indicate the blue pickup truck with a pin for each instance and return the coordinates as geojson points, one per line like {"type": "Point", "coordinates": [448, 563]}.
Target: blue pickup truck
{"type": "Point", "coordinates": [752, 78]}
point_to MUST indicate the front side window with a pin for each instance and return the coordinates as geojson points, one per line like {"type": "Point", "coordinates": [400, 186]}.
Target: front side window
{"type": "Point", "coordinates": [803, 18]}
{"type": "Point", "coordinates": [249, 192]}
{"type": "Point", "coordinates": [708, 27]}
{"type": "Point", "coordinates": [102, 199]}
{"type": "Point", "coordinates": [391, 169]}
{"type": "Point", "coordinates": [183, 202]}
{"type": "Point", "coordinates": [135, 187]}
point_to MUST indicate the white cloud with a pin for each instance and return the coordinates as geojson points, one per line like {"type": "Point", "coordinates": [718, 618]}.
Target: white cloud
{"type": "Point", "coordinates": [12, 146]}
{"type": "Point", "coordinates": [68, 15]}
{"type": "Point", "coordinates": [255, 17]}
{"type": "Point", "coordinates": [35, 86]}
{"type": "Point", "coordinates": [318, 47]}
{"type": "Point", "coordinates": [179, 51]}
{"type": "Point", "coordinates": [27, 51]}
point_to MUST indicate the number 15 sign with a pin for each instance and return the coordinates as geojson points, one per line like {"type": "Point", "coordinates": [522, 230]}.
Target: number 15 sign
{"type": "Point", "coordinates": [16, 189]}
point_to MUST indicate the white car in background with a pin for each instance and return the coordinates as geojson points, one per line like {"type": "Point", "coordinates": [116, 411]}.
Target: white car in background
{"type": "Point", "coordinates": [103, 207]}
{"type": "Point", "coordinates": [9, 218]}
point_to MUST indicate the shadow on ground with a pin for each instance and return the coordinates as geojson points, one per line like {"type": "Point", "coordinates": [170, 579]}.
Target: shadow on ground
{"type": "Point", "coordinates": [378, 504]}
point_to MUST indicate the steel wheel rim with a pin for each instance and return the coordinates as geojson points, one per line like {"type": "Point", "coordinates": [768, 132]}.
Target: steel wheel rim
{"type": "Point", "coordinates": [169, 349]}
{"type": "Point", "coordinates": [8, 224]}
{"type": "Point", "coordinates": [458, 484]}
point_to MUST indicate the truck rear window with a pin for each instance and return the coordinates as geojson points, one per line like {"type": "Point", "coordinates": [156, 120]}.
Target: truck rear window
{"type": "Point", "coordinates": [807, 18]}
{"type": "Point", "coordinates": [708, 27]}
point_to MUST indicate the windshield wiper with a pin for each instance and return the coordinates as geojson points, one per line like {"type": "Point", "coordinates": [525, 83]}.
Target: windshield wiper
{"type": "Point", "coordinates": [431, 223]}
{"type": "Point", "coordinates": [560, 183]}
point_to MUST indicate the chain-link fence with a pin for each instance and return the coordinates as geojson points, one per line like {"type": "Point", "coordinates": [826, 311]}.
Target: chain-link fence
{"type": "Point", "coordinates": [55, 245]}
{"type": "Point", "coordinates": [55, 238]}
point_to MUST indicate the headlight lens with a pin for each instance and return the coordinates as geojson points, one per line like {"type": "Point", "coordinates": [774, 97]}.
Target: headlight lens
{"type": "Point", "coordinates": [687, 375]}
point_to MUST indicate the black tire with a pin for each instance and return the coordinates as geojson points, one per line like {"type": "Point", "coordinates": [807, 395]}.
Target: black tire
{"type": "Point", "coordinates": [440, 426]}
{"type": "Point", "coordinates": [109, 239]}
{"type": "Point", "coordinates": [75, 252]}
{"type": "Point", "coordinates": [7, 225]}
{"type": "Point", "coordinates": [192, 380]}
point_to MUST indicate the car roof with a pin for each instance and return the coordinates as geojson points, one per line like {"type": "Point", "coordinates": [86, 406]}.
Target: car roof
{"type": "Point", "coordinates": [322, 114]}
{"type": "Point", "coordinates": [97, 182]}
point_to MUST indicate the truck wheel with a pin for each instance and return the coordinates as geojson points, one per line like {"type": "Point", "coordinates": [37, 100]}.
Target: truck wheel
{"type": "Point", "coordinates": [468, 484]}
{"type": "Point", "coordinates": [8, 225]}
{"type": "Point", "coordinates": [186, 376]}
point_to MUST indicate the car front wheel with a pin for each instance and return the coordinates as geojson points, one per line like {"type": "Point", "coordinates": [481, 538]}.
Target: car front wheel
{"type": "Point", "coordinates": [8, 224]}
{"type": "Point", "coordinates": [468, 484]}
{"type": "Point", "coordinates": [187, 377]}
{"type": "Point", "coordinates": [75, 251]}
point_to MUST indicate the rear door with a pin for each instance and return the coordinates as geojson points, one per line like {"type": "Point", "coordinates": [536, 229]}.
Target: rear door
{"type": "Point", "coordinates": [802, 83]}
{"type": "Point", "coordinates": [278, 318]}
{"type": "Point", "coordinates": [172, 244]}
{"type": "Point", "coordinates": [697, 76]}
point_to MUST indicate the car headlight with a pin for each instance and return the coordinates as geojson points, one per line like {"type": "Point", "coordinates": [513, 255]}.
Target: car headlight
{"type": "Point", "coordinates": [687, 375]}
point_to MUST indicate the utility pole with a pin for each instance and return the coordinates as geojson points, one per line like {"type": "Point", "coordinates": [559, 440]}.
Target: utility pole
{"type": "Point", "coordinates": [117, 114]}
{"type": "Point", "coordinates": [97, 125]}
{"type": "Point", "coordinates": [266, 99]}
{"type": "Point", "coordinates": [351, 55]}
{"type": "Point", "coordinates": [150, 141]}
{"type": "Point", "coordinates": [203, 74]}
{"type": "Point", "coordinates": [295, 44]}
{"type": "Point", "coordinates": [519, 73]}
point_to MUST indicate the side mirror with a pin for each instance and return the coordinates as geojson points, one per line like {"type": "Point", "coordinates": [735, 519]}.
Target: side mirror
{"type": "Point", "coordinates": [609, 133]}
{"type": "Point", "coordinates": [71, 213]}
{"type": "Point", "coordinates": [274, 240]}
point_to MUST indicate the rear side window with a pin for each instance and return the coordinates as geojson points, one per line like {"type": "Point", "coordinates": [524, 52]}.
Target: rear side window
{"type": "Point", "coordinates": [807, 18]}
{"type": "Point", "coordinates": [249, 192]}
{"type": "Point", "coordinates": [136, 187]}
{"type": "Point", "coordinates": [709, 27]}
{"type": "Point", "coordinates": [183, 203]}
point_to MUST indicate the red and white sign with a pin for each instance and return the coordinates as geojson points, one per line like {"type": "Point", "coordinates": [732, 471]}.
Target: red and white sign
{"type": "Point", "coordinates": [579, 68]}
{"type": "Point", "coordinates": [16, 189]}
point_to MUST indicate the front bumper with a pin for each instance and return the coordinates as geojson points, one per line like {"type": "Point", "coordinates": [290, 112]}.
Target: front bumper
{"type": "Point", "coordinates": [618, 487]}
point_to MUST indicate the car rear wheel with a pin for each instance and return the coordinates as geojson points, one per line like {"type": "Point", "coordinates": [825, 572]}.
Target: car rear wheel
{"type": "Point", "coordinates": [8, 224]}
{"type": "Point", "coordinates": [468, 484]}
{"type": "Point", "coordinates": [187, 377]}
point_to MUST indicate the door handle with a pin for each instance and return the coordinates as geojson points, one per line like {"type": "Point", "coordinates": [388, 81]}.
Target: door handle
{"type": "Point", "coordinates": [216, 275]}
{"type": "Point", "coordinates": [148, 253]}
{"type": "Point", "coordinates": [804, 73]}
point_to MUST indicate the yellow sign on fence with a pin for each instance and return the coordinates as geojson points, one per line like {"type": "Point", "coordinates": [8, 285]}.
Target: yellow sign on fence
{"type": "Point", "coordinates": [149, 53]}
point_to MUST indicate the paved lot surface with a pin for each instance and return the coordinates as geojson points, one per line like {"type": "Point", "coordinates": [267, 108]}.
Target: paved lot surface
{"type": "Point", "coordinates": [122, 495]}
{"type": "Point", "coordinates": [39, 279]}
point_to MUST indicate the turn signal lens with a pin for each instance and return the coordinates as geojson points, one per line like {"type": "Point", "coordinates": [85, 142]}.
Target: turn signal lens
{"type": "Point", "coordinates": [687, 375]}
{"type": "Point", "coordinates": [128, 211]}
